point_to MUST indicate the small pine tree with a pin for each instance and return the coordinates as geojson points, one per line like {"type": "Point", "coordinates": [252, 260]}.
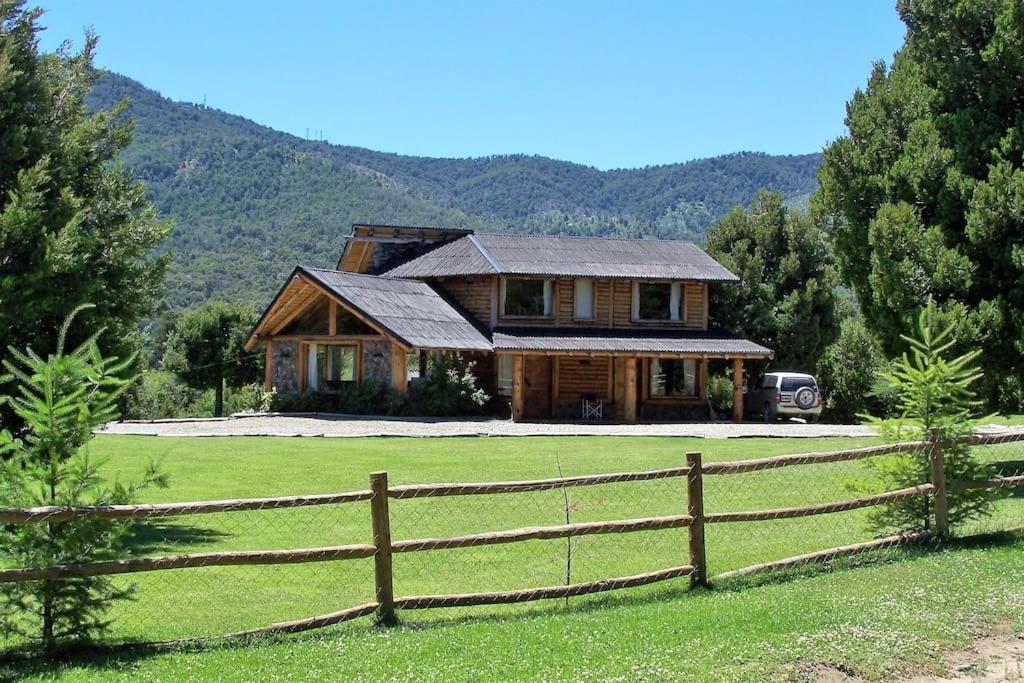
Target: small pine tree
{"type": "Point", "coordinates": [935, 400]}
{"type": "Point", "coordinates": [61, 399]}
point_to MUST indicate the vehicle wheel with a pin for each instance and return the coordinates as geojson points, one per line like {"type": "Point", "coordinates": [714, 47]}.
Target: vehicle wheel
{"type": "Point", "coordinates": [804, 398]}
{"type": "Point", "coordinates": [767, 413]}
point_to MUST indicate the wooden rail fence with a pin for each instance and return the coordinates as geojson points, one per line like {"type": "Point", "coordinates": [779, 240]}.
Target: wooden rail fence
{"type": "Point", "coordinates": [383, 547]}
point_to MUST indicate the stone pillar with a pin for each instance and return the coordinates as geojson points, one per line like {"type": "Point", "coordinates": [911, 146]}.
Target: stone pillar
{"type": "Point", "coordinates": [377, 361]}
{"type": "Point", "coordinates": [285, 366]}
{"type": "Point", "coordinates": [737, 390]}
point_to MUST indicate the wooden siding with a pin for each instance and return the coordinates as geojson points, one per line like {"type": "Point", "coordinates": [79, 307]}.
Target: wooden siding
{"type": "Point", "coordinates": [577, 376]}
{"type": "Point", "coordinates": [472, 293]}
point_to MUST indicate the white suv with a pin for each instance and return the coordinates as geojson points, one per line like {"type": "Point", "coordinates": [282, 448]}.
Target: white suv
{"type": "Point", "coordinates": [786, 394]}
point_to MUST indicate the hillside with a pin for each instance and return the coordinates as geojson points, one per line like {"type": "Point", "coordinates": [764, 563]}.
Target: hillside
{"type": "Point", "coordinates": [249, 202]}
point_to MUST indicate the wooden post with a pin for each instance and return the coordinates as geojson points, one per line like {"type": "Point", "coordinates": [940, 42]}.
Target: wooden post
{"type": "Point", "coordinates": [737, 390]}
{"type": "Point", "coordinates": [518, 379]}
{"type": "Point", "coordinates": [332, 317]}
{"type": "Point", "coordinates": [423, 363]}
{"type": "Point", "coordinates": [399, 368]}
{"type": "Point", "coordinates": [382, 573]}
{"type": "Point", "coordinates": [939, 481]}
{"type": "Point", "coordinates": [629, 399]}
{"type": "Point", "coordinates": [268, 366]}
{"type": "Point", "coordinates": [695, 508]}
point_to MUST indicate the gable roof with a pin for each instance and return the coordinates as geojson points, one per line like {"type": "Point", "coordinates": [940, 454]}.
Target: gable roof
{"type": "Point", "coordinates": [411, 311]}
{"type": "Point", "coordinates": [560, 256]}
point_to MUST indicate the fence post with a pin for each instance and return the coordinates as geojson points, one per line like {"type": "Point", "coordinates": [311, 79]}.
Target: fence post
{"type": "Point", "coordinates": [939, 482]}
{"type": "Point", "coordinates": [695, 508]}
{"type": "Point", "coordinates": [382, 557]}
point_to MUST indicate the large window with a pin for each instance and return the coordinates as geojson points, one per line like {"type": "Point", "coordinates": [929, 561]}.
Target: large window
{"type": "Point", "coordinates": [329, 365]}
{"type": "Point", "coordinates": [657, 301]}
{"type": "Point", "coordinates": [673, 378]}
{"type": "Point", "coordinates": [505, 370]}
{"type": "Point", "coordinates": [525, 297]}
{"type": "Point", "coordinates": [583, 299]}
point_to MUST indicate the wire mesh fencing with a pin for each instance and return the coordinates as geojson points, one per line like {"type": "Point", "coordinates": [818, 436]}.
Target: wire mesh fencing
{"type": "Point", "coordinates": [199, 570]}
{"type": "Point", "coordinates": [1002, 457]}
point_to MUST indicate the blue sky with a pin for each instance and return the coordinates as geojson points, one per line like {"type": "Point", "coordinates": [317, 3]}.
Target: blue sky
{"type": "Point", "coordinates": [609, 84]}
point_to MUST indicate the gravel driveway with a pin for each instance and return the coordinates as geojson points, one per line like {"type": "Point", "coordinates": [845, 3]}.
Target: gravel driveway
{"type": "Point", "coordinates": [344, 426]}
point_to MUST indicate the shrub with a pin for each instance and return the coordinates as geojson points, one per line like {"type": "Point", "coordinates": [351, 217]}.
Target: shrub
{"type": "Point", "coordinates": [720, 394]}
{"type": "Point", "coordinates": [850, 375]}
{"type": "Point", "coordinates": [935, 399]}
{"type": "Point", "coordinates": [159, 395]}
{"type": "Point", "coordinates": [61, 400]}
{"type": "Point", "coordinates": [248, 398]}
{"type": "Point", "coordinates": [449, 388]}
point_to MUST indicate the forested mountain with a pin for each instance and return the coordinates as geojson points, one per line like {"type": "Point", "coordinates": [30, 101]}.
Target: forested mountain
{"type": "Point", "coordinates": [249, 202]}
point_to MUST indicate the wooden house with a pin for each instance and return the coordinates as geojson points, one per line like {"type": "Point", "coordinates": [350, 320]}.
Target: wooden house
{"type": "Point", "coordinates": [554, 323]}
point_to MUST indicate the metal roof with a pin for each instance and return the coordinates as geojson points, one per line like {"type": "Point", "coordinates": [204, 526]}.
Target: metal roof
{"type": "Point", "coordinates": [410, 310]}
{"type": "Point", "coordinates": [569, 340]}
{"type": "Point", "coordinates": [559, 256]}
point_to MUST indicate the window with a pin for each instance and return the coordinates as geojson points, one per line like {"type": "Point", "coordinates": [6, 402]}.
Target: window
{"type": "Point", "coordinates": [505, 366]}
{"type": "Point", "coordinates": [328, 365]}
{"type": "Point", "coordinates": [525, 298]}
{"type": "Point", "coordinates": [675, 377]}
{"type": "Point", "coordinates": [794, 383]}
{"type": "Point", "coordinates": [583, 299]}
{"type": "Point", "coordinates": [656, 301]}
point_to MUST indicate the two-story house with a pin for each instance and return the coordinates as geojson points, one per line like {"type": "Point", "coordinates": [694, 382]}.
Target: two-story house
{"type": "Point", "coordinates": [550, 321]}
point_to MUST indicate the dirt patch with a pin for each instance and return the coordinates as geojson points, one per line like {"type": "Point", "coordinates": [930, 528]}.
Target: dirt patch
{"type": "Point", "coordinates": [991, 660]}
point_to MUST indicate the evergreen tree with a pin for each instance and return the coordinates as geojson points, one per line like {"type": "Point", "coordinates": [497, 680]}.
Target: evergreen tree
{"type": "Point", "coordinates": [926, 191]}
{"type": "Point", "coordinates": [206, 349]}
{"type": "Point", "coordinates": [61, 399]}
{"type": "Point", "coordinates": [74, 226]}
{"type": "Point", "coordinates": [786, 295]}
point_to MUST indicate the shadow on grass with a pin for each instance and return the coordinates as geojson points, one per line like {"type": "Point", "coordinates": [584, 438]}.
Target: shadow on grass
{"type": "Point", "coordinates": [156, 535]}
{"type": "Point", "coordinates": [14, 665]}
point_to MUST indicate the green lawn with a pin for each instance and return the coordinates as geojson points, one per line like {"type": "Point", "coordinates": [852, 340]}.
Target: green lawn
{"type": "Point", "coordinates": [861, 618]}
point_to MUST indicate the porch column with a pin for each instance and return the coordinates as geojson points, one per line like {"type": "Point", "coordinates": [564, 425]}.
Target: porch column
{"type": "Point", "coordinates": [737, 390]}
{"type": "Point", "coordinates": [399, 368]}
{"type": "Point", "coordinates": [518, 378]}
{"type": "Point", "coordinates": [268, 366]}
{"type": "Point", "coordinates": [423, 363]}
{"type": "Point", "coordinates": [629, 407]}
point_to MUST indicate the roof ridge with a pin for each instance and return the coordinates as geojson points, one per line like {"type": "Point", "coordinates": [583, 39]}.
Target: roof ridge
{"type": "Point", "coordinates": [586, 237]}
{"type": "Point", "coordinates": [363, 275]}
{"type": "Point", "coordinates": [486, 253]}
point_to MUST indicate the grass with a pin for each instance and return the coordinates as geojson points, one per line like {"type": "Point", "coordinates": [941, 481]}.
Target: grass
{"type": "Point", "coordinates": [877, 619]}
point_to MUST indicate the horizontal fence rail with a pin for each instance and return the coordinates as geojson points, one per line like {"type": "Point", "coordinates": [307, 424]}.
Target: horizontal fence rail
{"type": "Point", "coordinates": [686, 511]}
{"type": "Point", "coordinates": [63, 514]}
{"type": "Point", "coordinates": [430, 490]}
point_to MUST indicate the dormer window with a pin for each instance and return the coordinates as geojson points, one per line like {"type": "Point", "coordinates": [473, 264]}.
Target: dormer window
{"type": "Point", "coordinates": [657, 301]}
{"type": "Point", "coordinates": [526, 297]}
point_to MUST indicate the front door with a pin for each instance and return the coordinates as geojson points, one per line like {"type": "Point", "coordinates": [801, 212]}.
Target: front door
{"type": "Point", "coordinates": [537, 387]}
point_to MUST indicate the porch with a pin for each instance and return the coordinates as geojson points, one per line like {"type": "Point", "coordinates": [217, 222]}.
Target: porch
{"type": "Point", "coordinates": [612, 387]}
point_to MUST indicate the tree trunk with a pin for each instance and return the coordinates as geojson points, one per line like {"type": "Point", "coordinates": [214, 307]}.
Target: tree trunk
{"type": "Point", "coordinates": [218, 398]}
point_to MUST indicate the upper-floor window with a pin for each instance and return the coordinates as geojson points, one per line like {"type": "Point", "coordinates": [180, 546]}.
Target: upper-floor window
{"type": "Point", "coordinates": [583, 299]}
{"type": "Point", "coordinates": [658, 301]}
{"type": "Point", "coordinates": [525, 297]}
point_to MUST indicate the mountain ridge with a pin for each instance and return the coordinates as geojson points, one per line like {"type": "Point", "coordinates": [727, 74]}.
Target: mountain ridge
{"type": "Point", "coordinates": [249, 202]}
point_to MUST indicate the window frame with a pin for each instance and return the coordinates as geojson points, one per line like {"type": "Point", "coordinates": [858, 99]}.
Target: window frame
{"type": "Point", "coordinates": [549, 298]}
{"type": "Point", "coordinates": [673, 397]}
{"type": "Point", "coordinates": [504, 359]}
{"type": "Point", "coordinates": [311, 352]}
{"type": "Point", "coordinates": [593, 299]}
{"type": "Point", "coordinates": [677, 313]}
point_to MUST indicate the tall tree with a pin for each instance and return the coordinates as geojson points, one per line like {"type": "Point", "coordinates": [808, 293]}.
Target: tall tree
{"type": "Point", "coordinates": [74, 226]}
{"type": "Point", "coordinates": [786, 295]}
{"type": "Point", "coordinates": [206, 349]}
{"type": "Point", "coordinates": [926, 191]}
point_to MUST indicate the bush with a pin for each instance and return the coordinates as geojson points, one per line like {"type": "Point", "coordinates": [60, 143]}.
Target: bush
{"type": "Point", "coordinates": [449, 388]}
{"type": "Point", "coordinates": [849, 375]}
{"type": "Point", "coordinates": [248, 398]}
{"type": "Point", "coordinates": [720, 394]}
{"type": "Point", "coordinates": [159, 395]}
{"type": "Point", "coordinates": [369, 398]}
